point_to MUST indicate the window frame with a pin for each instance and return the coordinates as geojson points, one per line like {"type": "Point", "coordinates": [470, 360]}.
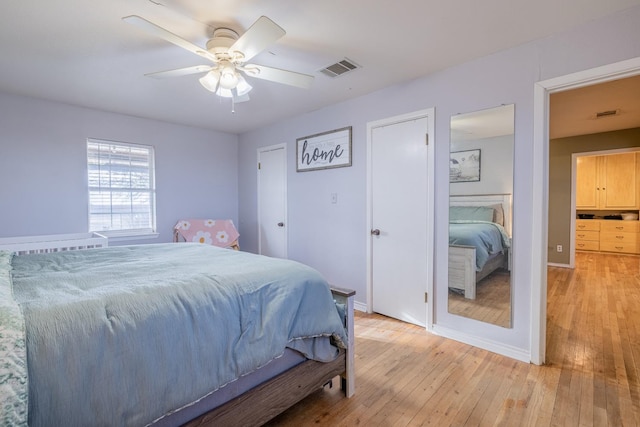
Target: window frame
{"type": "Point", "coordinates": [117, 234]}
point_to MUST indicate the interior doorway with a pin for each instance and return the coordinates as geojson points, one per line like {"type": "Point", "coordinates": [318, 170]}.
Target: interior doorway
{"type": "Point", "coordinates": [272, 201]}
{"type": "Point", "coordinates": [540, 196]}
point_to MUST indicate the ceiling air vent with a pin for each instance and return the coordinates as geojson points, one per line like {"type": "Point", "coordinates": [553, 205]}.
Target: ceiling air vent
{"type": "Point", "coordinates": [607, 113]}
{"type": "Point", "coordinates": [339, 68]}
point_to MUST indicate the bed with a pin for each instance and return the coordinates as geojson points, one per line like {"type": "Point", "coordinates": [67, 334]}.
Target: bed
{"type": "Point", "coordinates": [479, 239]}
{"type": "Point", "coordinates": [164, 334]}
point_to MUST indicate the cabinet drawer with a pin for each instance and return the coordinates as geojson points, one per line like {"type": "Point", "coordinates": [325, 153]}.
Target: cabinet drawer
{"type": "Point", "coordinates": [622, 247]}
{"type": "Point", "coordinates": [626, 226]}
{"type": "Point", "coordinates": [618, 237]}
{"type": "Point", "coordinates": [587, 224]}
{"type": "Point", "coordinates": [587, 245]}
{"type": "Point", "coordinates": [587, 235]}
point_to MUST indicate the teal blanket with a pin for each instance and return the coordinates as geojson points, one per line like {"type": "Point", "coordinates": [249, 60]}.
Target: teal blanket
{"type": "Point", "coordinates": [488, 238]}
{"type": "Point", "coordinates": [122, 336]}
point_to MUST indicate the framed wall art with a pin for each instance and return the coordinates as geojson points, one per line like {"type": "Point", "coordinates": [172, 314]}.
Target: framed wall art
{"type": "Point", "coordinates": [464, 166]}
{"type": "Point", "coordinates": [325, 150]}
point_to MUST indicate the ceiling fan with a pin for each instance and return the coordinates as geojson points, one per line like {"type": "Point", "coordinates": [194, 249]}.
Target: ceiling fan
{"type": "Point", "coordinates": [229, 54]}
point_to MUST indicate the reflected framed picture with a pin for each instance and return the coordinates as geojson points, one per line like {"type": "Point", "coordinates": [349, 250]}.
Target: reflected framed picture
{"type": "Point", "coordinates": [464, 166]}
{"type": "Point", "coordinates": [324, 150]}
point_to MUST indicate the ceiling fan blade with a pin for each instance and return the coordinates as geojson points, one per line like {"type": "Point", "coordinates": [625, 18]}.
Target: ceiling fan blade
{"type": "Point", "coordinates": [180, 72]}
{"type": "Point", "coordinates": [277, 75]}
{"type": "Point", "coordinates": [167, 35]}
{"type": "Point", "coordinates": [262, 34]}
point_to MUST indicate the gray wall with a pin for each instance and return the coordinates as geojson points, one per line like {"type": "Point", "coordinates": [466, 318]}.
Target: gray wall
{"type": "Point", "coordinates": [333, 238]}
{"type": "Point", "coordinates": [43, 167]}
{"type": "Point", "coordinates": [560, 151]}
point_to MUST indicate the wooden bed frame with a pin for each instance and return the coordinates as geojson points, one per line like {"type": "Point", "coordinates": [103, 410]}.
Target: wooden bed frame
{"type": "Point", "coordinates": [462, 259]}
{"type": "Point", "coordinates": [271, 398]}
{"type": "Point", "coordinates": [261, 403]}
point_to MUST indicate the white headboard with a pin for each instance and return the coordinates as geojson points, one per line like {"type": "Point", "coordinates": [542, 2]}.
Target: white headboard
{"type": "Point", "coordinates": [53, 243]}
{"type": "Point", "coordinates": [485, 200]}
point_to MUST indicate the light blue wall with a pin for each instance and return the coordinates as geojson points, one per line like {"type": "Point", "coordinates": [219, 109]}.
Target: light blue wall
{"type": "Point", "coordinates": [333, 238]}
{"type": "Point", "coordinates": [43, 167]}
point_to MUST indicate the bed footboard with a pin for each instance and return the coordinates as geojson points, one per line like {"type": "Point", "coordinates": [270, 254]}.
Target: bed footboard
{"type": "Point", "coordinates": [271, 398]}
{"type": "Point", "coordinates": [346, 297]}
{"type": "Point", "coordinates": [462, 269]}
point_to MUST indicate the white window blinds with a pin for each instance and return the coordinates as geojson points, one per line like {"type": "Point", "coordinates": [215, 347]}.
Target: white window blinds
{"type": "Point", "coordinates": [121, 187]}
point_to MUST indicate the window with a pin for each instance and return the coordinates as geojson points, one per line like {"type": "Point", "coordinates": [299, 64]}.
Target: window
{"type": "Point", "coordinates": [121, 188]}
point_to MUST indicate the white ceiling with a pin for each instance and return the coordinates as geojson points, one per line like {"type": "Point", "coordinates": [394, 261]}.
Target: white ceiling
{"type": "Point", "coordinates": [489, 123]}
{"type": "Point", "coordinates": [81, 52]}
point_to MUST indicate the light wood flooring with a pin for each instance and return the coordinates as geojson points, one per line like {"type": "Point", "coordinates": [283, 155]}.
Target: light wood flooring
{"type": "Point", "coordinates": [492, 303]}
{"type": "Point", "coordinates": [407, 377]}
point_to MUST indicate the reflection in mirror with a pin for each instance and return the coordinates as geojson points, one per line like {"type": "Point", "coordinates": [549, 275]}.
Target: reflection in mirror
{"type": "Point", "coordinates": [481, 187]}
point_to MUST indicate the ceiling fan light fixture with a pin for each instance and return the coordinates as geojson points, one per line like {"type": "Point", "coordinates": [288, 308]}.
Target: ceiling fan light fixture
{"type": "Point", "coordinates": [228, 76]}
{"type": "Point", "coordinates": [229, 81]}
{"type": "Point", "coordinates": [210, 80]}
{"type": "Point", "coordinates": [243, 86]}
{"type": "Point", "coordinates": [224, 93]}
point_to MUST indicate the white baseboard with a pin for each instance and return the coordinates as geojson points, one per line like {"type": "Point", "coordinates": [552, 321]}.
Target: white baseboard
{"type": "Point", "coordinates": [360, 306]}
{"type": "Point", "coordinates": [555, 264]}
{"type": "Point", "coordinates": [492, 346]}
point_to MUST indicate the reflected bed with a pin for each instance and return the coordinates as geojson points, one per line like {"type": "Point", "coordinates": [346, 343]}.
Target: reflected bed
{"type": "Point", "coordinates": [479, 239]}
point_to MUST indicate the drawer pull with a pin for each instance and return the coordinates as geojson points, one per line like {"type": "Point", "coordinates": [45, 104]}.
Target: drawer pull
{"type": "Point", "coordinates": [581, 226]}
{"type": "Point", "coordinates": [619, 248]}
{"type": "Point", "coordinates": [620, 237]}
{"type": "Point", "coordinates": [620, 227]}
{"type": "Point", "coordinates": [581, 235]}
{"type": "Point", "coordinates": [581, 244]}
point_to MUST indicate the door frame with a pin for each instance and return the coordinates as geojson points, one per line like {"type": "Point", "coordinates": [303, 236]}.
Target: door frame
{"type": "Point", "coordinates": [429, 114]}
{"type": "Point", "coordinates": [261, 150]}
{"type": "Point", "coordinates": [540, 190]}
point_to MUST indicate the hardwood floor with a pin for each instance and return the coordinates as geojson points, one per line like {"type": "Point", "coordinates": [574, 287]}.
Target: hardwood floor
{"type": "Point", "coordinates": [492, 303]}
{"type": "Point", "coordinates": [407, 377]}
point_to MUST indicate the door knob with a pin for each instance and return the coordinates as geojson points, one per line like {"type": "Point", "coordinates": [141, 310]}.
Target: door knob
{"type": "Point", "coordinates": [281, 224]}
{"type": "Point", "coordinates": [375, 232]}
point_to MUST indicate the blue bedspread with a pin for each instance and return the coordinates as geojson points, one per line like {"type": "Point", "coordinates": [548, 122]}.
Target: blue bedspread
{"type": "Point", "coordinates": [488, 238]}
{"type": "Point", "coordinates": [120, 336]}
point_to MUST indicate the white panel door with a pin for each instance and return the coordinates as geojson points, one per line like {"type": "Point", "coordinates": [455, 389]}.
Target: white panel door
{"type": "Point", "coordinates": [399, 220]}
{"type": "Point", "coordinates": [272, 201]}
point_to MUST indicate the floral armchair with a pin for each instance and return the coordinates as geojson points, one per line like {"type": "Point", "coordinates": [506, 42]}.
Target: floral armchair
{"type": "Point", "coordinates": [217, 232]}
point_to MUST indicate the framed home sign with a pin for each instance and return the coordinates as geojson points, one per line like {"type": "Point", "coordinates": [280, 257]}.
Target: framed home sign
{"type": "Point", "coordinates": [324, 150]}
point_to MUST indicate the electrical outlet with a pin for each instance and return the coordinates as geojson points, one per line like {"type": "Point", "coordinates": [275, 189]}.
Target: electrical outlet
{"type": "Point", "coordinates": [559, 248]}
{"type": "Point", "coordinates": [334, 198]}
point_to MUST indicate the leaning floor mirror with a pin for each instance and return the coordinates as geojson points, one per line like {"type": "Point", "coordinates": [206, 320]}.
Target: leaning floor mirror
{"type": "Point", "coordinates": [480, 215]}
